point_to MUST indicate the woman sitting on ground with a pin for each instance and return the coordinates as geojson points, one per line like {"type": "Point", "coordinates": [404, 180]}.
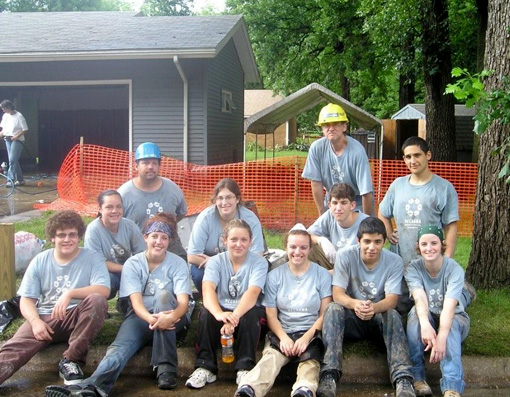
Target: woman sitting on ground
{"type": "Point", "coordinates": [438, 322]}
{"type": "Point", "coordinates": [207, 239]}
{"type": "Point", "coordinates": [296, 296]}
{"type": "Point", "coordinates": [158, 285]}
{"type": "Point", "coordinates": [114, 237]}
{"type": "Point", "coordinates": [232, 284]}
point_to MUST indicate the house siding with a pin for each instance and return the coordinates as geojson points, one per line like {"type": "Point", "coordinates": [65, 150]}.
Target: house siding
{"type": "Point", "coordinates": [225, 130]}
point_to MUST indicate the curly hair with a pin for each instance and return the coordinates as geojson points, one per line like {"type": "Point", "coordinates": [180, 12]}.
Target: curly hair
{"type": "Point", "coordinates": [64, 220]}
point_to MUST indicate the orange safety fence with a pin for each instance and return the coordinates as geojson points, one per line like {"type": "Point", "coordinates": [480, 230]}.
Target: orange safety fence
{"type": "Point", "coordinates": [281, 195]}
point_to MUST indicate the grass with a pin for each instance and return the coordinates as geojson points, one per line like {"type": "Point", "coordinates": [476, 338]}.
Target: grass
{"type": "Point", "coordinates": [490, 313]}
{"type": "Point", "coordinates": [250, 154]}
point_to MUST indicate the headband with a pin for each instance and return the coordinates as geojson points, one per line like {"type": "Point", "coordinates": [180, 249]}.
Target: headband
{"type": "Point", "coordinates": [159, 227]}
{"type": "Point", "coordinates": [429, 229]}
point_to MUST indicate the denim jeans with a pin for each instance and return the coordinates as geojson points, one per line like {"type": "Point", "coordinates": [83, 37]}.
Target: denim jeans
{"type": "Point", "coordinates": [197, 275]}
{"type": "Point", "coordinates": [114, 284]}
{"type": "Point", "coordinates": [340, 322]}
{"type": "Point", "coordinates": [14, 149]}
{"type": "Point", "coordinates": [134, 333]}
{"type": "Point", "coordinates": [451, 365]}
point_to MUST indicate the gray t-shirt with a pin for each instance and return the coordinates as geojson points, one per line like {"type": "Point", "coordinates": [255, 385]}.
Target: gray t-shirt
{"type": "Point", "coordinates": [171, 275]}
{"type": "Point", "coordinates": [115, 247]}
{"type": "Point", "coordinates": [351, 274]}
{"type": "Point", "coordinates": [46, 280]}
{"type": "Point", "coordinates": [413, 206]}
{"type": "Point", "coordinates": [350, 167]}
{"type": "Point", "coordinates": [447, 284]}
{"type": "Point", "coordinates": [207, 234]}
{"type": "Point", "coordinates": [297, 298]}
{"type": "Point", "coordinates": [140, 206]}
{"type": "Point", "coordinates": [327, 226]}
{"type": "Point", "coordinates": [230, 287]}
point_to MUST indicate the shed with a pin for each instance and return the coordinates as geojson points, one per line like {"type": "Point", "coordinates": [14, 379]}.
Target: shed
{"type": "Point", "coordinates": [411, 121]}
{"type": "Point", "coordinates": [268, 119]}
{"type": "Point", "coordinates": [120, 78]}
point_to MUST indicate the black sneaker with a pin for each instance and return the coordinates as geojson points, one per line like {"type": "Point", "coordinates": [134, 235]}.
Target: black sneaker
{"type": "Point", "coordinates": [70, 372]}
{"type": "Point", "coordinates": [302, 392]}
{"type": "Point", "coordinates": [245, 391]}
{"type": "Point", "coordinates": [404, 388]}
{"type": "Point", "coordinates": [73, 390]}
{"type": "Point", "coordinates": [167, 381]}
{"type": "Point", "coordinates": [327, 385]}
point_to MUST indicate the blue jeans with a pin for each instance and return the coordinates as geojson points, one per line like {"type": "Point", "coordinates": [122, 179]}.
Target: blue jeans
{"type": "Point", "coordinates": [134, 333]}
{"type": "Point", "coordinates": [14, 149]}
{"type": "Point", "coordinates": [197, 275]}
{"type": "Point", "coordinates": [114, 284]}
{"type": "Point", "coordinates": [451, 365]}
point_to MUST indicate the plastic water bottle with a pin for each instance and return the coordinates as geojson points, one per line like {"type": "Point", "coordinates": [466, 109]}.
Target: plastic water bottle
{"type": "Point", "coordinates": [227, 348]}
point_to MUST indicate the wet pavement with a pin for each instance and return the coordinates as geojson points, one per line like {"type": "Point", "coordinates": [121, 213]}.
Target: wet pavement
{"type": "Point", "coordinates": [33, 384]}
{"type": "Point", "coordinates": [38, 189]}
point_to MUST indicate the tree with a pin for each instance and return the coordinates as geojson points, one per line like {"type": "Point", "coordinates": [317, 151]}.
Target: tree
{"type": "Point", "coordinates": [62, 5]}
{"type": "Point", "coordinates": [489, 263]}
{"type": "Point", "coordinates": [167, 7]}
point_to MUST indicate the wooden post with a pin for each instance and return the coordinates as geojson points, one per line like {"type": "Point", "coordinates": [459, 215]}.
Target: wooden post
{"type": "Point", "coordinates": [7, 267]}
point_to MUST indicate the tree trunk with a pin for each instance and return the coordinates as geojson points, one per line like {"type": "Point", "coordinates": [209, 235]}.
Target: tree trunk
{"type": "Point", "coordinates": [489, 263]}
{"type": "Point", "coordinates": [437, 59]}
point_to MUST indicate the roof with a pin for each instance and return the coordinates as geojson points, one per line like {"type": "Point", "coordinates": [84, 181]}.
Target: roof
{"type": "Point", "coordinates": [256, 100]}
{"type": "Point", "coordinates": [268, 119]}
{"type": "Point", "coordinates": [55, 36]}
{"type": "Point", "coordinates": [415, 111]}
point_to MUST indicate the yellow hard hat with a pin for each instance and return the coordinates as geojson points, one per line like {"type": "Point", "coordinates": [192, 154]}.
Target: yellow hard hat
{"type": "Point", "coordinates": [331, 113]}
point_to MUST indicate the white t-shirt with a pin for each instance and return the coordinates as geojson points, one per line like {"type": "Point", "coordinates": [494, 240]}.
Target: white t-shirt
{"type": "Point", "coordinates": [13, 123]}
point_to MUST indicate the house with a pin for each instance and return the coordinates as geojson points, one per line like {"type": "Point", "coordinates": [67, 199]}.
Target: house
{"type": "Point", "coordinates": [119, 78]}
{"type": "Point", "coordinates": [411, 121]}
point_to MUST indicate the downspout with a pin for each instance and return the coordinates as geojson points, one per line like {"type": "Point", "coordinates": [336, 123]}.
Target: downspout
{"type": "Point", "coordinates": [185, 106]}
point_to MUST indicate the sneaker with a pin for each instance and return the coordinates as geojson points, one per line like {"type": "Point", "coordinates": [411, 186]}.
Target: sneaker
{"type": "Point", "coordinates": [422, 388]}
{"type": "Point", "coordinates": [302, 392]}
{"type": "Point", "coordinates": [239, 375]}
{"type": "Point", "coordinates": [404, 388]}
{"type": "Point", "coordinates": [167, 381]}
{"type": "Point", "coordinates": [8, 184]}
{"type": "Point", "coordinates": [70, 372]}
{"type": "Point", "coordinates": [73, 390]}
{"type": "Point", "coordinates": [327, 385]}
{"type": "Point", "coordinates": [451, 393]}
{"type": "Point", "coordinates": [245, 391]}
{"type": "Point", "coordinates": [199, 378]}
{"type": "Point", "coordinates": [19, 183]}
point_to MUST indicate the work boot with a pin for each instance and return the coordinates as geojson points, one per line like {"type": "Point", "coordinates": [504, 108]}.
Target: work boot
{"type": "Point", "coordinates": [327, 384]}
{"type": "Point", "coordinates": [404, 387]}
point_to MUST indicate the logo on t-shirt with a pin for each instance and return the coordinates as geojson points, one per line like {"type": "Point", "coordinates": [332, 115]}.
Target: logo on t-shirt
{"type": "Point", "coordinates": [61, 284]}
{"type": "Point", "coordinates": [153, 208]}
{"type": "Point", "coordinates": [435, 299]}
{"type": "Point", "coordinates": [337, 173]}
{"type": "Point", "coordinates": [342, 242]}
{"type": "Point", "coordinates": [412, 210]}
{"type": "Point", "coordinates": [297, 299]}
{"type": "Point", "coordinates": [368, 290]}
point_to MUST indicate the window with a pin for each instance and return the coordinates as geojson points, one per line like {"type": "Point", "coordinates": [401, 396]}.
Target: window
{"type": "Point", "coordinates": [227, 104]}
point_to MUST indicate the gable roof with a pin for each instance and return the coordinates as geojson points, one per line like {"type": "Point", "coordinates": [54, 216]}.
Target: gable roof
{"type": "Point", "coordinates": [415, 111]}
{"type": "Point", "coordinates": [59, 36]}
{"type": "Point", "coordinates": [268, 119]}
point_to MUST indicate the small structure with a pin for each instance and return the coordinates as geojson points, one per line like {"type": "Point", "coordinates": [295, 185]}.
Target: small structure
{"type": "Point", "coordinates": [411, 121]}
{"type": "Point", "coordinates": [120, 78]}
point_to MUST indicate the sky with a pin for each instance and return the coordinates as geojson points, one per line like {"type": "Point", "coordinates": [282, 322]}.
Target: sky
{"type": "Point", "coordinates": [218, 5]}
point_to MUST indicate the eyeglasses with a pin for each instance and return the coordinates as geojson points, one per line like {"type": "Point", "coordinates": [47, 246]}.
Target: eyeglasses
{"type": "Point", "coordinates": [226, 198]}
{"type": "Point", "coordinates": [71, 235]}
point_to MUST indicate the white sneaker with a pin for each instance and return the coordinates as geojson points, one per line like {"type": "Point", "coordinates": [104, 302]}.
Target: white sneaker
{"type": "Point", "coordinates": [240, 375]}
{"type": "Point", "coordinates": [199, 378]}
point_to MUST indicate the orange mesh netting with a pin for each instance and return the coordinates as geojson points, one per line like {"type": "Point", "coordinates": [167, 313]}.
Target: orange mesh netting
{"type": "Point", "coordinates": [282, 197]}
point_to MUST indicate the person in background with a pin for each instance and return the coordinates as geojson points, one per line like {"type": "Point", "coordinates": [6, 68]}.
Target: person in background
{"type": "Point", "coordinates": [13, 128]}
{"type": "Point", "coordinates": [114, 237]}
{"type": "Point", "coordinates": [207, 238]}
{"type": "Point", "coordinates": [438, 322]}
{"type": "Point", "coordinates": [296, 296]}
{"type": "Point", "coordinates": [158, 286]}
{"type": "Point", "coordinates": [63, 299]}
{"type": "Point", "coordinates": [338, 158]}
{"type": "Point", "coordinates": [233, 281]}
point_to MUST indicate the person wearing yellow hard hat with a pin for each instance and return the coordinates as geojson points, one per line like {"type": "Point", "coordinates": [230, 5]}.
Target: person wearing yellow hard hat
{"type": "Point", "coordinates": [338, 158]}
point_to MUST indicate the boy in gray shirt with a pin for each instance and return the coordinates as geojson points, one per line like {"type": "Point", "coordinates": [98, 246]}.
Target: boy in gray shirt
{"type": "Point", "coordinates": [366, 286]}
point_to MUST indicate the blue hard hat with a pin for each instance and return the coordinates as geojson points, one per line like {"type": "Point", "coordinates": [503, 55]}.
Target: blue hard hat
{"type": "Point", "coordinates": [147, 150]}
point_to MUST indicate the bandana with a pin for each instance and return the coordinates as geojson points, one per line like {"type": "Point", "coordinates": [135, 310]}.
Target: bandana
{"type": "Point", "coordinates": [429, 229]}
{"type": "Point", "coordinates": [159, 227]}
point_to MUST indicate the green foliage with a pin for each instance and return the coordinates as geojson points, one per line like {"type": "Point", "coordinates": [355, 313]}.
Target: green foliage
{"type": "Point", "coordinates": [493, 106]}
{"type": "Point", "coordinates": [63, 5]}
{"type": "Point", "coordinates": [167, 7]}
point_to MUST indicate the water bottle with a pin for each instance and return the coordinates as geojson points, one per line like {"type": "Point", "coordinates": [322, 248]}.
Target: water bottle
{"type": "Point", "coordinates": [4, 167]}
{"type": "Point", "coordinates": [227, 348]}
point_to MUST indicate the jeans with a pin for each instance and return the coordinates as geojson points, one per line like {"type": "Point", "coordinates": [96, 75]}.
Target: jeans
{"type": "Point", "coordinates": [451, 365]}
{"type": "Point", "coordinates": [133, 334]}
{"type": "Point", "coordinates": [197, 275]}
{"type": "Point", "coordinates": [14, 149]}
{"type": "Point", "coordinates": [340, 322]}
{"type": "Point", "coordinates": [114, 284]}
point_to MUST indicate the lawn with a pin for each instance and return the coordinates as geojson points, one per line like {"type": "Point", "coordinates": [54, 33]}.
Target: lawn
{"type": "Point", "coordinates": [490, 313]}
{"type": "Point", "coordinates": [250, 154]}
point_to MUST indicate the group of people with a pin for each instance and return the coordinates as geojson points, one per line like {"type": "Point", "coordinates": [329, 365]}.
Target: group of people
{"type": "Point", "coordinates": [338, 283]}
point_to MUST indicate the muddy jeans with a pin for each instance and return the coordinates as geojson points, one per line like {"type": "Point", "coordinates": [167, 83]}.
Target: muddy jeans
{"type": "Point", "coordinates": [262, 377]}
{"type": "Point", "coordinates": [340, 322]}
{"type": "Point", "coordinates": [79, 328]}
